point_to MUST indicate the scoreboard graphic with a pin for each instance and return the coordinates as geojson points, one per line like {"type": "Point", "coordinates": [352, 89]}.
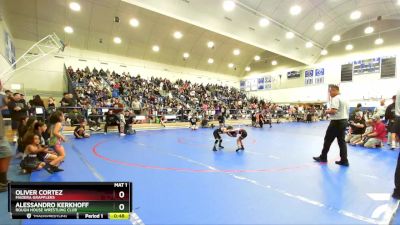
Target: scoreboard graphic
{"type": "Point", "coordinates": [70, 200]}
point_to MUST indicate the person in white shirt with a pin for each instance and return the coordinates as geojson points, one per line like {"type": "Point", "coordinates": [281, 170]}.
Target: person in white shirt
{"type": "Point", "coordinates": [381, 109]}
{"type": "Point", "coordinates": [339, 114]}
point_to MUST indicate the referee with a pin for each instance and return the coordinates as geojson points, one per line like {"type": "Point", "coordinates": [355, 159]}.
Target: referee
{"type": "Point", "coordinates": [396, 192]}
{"type": "Point", "coordinates": [337, 127]}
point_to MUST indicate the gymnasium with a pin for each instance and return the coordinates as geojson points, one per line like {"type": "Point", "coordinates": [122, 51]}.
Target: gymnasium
{"type": "Point", "coordinates": [207, 111]}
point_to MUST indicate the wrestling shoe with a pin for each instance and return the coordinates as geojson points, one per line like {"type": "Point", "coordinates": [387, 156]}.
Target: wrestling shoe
{"type": "Point", "coordinates": [320, 159]}
{"type": "Point", "coordinates": [56, 168]}
{"type": "Point", "coordinates": [343, 163]}
{"type": "Point", "coordinates": [214, 149]}
{"type": "Point", "coordinates": [48, 168]}
{"type": "Point", "coordinates": [221, 146]}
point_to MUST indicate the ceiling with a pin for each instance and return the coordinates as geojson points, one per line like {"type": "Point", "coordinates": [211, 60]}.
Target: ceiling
{"type": "Point", "coordinates": [201, 21]}
{"type": "Point", "coordinates": [34, 19]}
{"type": "Point", "coordinates": [242, 22]}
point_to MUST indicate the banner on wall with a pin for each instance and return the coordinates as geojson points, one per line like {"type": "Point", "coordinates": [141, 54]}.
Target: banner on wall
{"type": "Point", "coordinates": [319, 76]}
{"type": "Point", "coordinates": [9, 48]}
{"type": "Point", "coordinates": [261, 83]}
{"type": "Point", "coordinates": [268, 82]}
{"type": "Point", "coordinates": [309, 77]}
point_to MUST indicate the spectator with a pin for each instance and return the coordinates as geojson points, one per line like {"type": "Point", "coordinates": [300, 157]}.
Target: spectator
{"type": "Point", "coordinates": [380, 110]}
{"type": "Point", "coordinates": [111, 120]}
{"type": "Point", "coordinates": [51, 103]}
{"type": "Point", "coordinates": [80, 131]}
{"type": "Point", "coordinates": [390, 117]}
{"type": "Point", "coordinates": [18, 109]}
{"type": "Point", "coordinates": [94, 120]}
{"type": "Point", "coordinates": [136, 106]}
{"type": "Point", "coordinates": [5, 157]}
{"type": "Point", "coordinates": [357, 128]}
{"type": "Point", "coordinates": [378, 136]}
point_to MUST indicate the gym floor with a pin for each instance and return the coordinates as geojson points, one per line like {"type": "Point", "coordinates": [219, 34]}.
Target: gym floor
{"type": "Point", "coordinates": [178, 179]}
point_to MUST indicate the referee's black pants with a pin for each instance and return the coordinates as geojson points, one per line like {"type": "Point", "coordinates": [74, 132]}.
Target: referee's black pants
{"type": "Point", "coordinates": [336, 129]}
{"type": "Point", "coordinates": [396, 192]}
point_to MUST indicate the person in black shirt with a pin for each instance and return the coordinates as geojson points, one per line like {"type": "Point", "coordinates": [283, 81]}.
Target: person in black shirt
{"type": "Point", "coordinates": [218, 139]}
{"type": "Point", "coordinates": [111, 120]}
{"type": "Point", "coordinates": [390, 117]}
{"type": "Point", "coordinates": [221, 120]}
{"type": "Point", "coordinates": [357, 129]}
{"type": "Point", "coordinates": [94, 120]}
{"type": "Point", "coordinates": [129, 121]}
{"type": "Point", "coordinates": [193, 122]}
{"type": "Point", "coordinates": [18, 109]}
{"type": "Point", "coordinates": [79, 131]}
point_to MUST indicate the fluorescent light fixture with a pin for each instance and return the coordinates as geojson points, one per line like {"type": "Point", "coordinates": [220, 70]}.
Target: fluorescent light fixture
{"type": "Point", "coordinates": [369, 30]}
{"type": "Point", "coordinates": [336, 38]}
{"type": "Point", "coordinates": [309, 44]}
{"type": "Point", "coordinates": [74, 6]}
{"type": "Point", "coordinates": [274, 63]}
{"type": "Point", "coordinates": [178, 35]}
{"type": "Point", "coordinates": [247, 68]}
{"type": "Point", "coordinates": [319, 26]}
{"type": "Point", "coordinates": [134, 22]}
{"type": "Point", "coordinates": [257, 57]}
{"type": "Point", "coordinates": [155, 48]}
{"type": "Point", "coordinates": [349, 47]}
{"type": "Point", "coordinates": [210, 61]}
{"type": "Point", "coordinates": [210, 44]}
{"type": "Point", "coordinates": [68, 29]}
{"type": "Point", "coordinates": [236, 51]}
{"type": "Point", "coordinates": [289, 35]}
{"type": "Point", "coordinates": [117, 40]}
{"type": "Point", "coordinates": [230, 65]}
{"type": "Point", "coordinates": [355, 15]}
{"type": "Point", "coordinates": [324, 52]}
{"type": "Point", "coordinates": [229, 5]}
{"type": "Point", "coordinates": [186, 55]}
{"type": "Point", "coordinates": [263, 22]}
{"type": "Point", "coordinates": [379, 41]}
{"type": "Point", "coordinates": [295, 10]}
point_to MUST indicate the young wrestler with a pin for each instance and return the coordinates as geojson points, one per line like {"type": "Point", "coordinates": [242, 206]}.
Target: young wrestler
{"type": "Point", "coordinates": [218, 139]}
{"type": "Point", "coordinates": [31, 160]}
{"type": "Point", "coordinates": [163, 120]}
{"type": "Point", "coordinates": [79, 131]}
{"type": "Point", "coordinates": [56, 136]}
{"type": "Point", "coordinates": [238, 131]}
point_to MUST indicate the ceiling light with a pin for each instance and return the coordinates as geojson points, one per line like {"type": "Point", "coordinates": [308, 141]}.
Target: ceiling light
{"type": "Point", "coordinates": [289, 35]}
{"type": "Point", "coordinates": [355, 15]}
{"type": "Point", "coordinates": [247, 68]}
{"type": "Point", "coordinates": [117, 40]}
{"type": "Point", "coordinates": [74, 6]}
{"type": "Point", "coordinates": [349, 47]}
{"type": "Point", "coordinates": [319, 26]}
{"type": "Point", "coordinates": [263, 22]}
{"type": "Point", "coordinates": [186, 55]}
{"type": "Point", "coordinates": [379, 41]}
{"type": "Point", "coordinates": [210, 61]}
{"type": "Point", "coordinates": [274, 63]}
{"type": "Point", "coordinates": [210, 44]}
{"type": "Point", "coordinates": [257, 57]}
{"type": "Point", "coordinates": [369, 30]}
{"type": "Point", "coordinates": [156, 48]}
{"type": "Point", "coordinates": [398, 2]}
{"type": "Point", "coordinates": [336, 38]}
{"type": "Point", "coordinates": [134, 22]}
{"type": "Point", "coordinates": [236, 52]}
{"type": "Point", "coordinates": [324, 52]}
{"type": "Point", "coordinates": [178, 35]}
{"type": "Point", "coordinates": [68, 29]}
{"type": "Point", "coordinates": [295, 10]}
{"type": "Point", "coordinates": [230, 65]}
{"type": "Point", "coordinates": [229, 5]}
{"type": "Point", "coordinates": [309, 44]}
